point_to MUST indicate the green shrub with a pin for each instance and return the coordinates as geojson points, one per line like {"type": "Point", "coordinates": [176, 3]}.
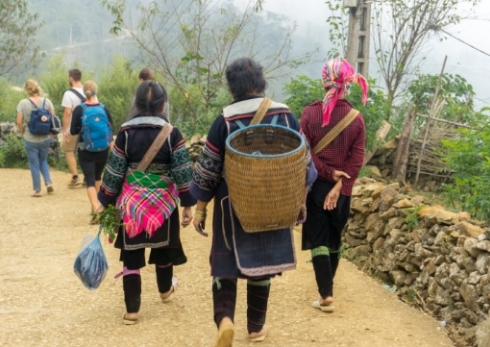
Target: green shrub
{"type": "Point", "coordinates": [116, 89]}
{"type": "Point", "coordinates": [9, 98]}
{"type": "Point", "coordinates": [468, 158]}
{"type": "Point", "coordinates": [13, 153]}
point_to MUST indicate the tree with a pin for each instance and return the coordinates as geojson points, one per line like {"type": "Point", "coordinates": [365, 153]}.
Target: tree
{"type": "Point", "coordinates": [192, 41]}
{"type": "Point", "coordinates": [18, 29]}
{"type": "Point", "coordinates": [400, 32]}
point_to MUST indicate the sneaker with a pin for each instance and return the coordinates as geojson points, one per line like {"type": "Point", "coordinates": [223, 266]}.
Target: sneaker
{"type": "Point", "coordinates": [74, 182]}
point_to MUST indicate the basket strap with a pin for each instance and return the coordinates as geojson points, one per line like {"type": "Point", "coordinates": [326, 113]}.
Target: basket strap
{"type": "Point", "coordinates": [155, 147]}
{"type": "Point", "coordinates": [263, 108]}
{"type": "Point", "coordinates": [274, 119]}
{"type": "Point", "coordinates": [240, 124]}
{"type": "Point", "coordinates": [337, 129]}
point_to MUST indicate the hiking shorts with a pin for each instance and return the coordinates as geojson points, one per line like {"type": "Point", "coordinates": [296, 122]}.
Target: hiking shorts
{"type": "Point", "coordinates": [69, 146]}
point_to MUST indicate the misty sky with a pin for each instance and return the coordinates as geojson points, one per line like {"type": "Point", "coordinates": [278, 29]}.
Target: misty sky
{"type": "Point", "coordinates": [462, 60]}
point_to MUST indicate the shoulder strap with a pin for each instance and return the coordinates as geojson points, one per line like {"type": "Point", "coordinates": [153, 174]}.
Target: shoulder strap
{"type": "Point", "coordinates": [77, 93]}
{"type": "Point", "coordinates": [263, 108]}
{"type": "Point", "coordinates": [32, 102]}
{"type": "Point", "coordinates": [155, 147]}
{"type": "Point", "coordinates": [332, 134]}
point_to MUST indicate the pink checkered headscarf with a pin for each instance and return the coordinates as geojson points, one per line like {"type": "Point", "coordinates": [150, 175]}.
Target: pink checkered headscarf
{"type": "Point", "coordinates": [338, 75]}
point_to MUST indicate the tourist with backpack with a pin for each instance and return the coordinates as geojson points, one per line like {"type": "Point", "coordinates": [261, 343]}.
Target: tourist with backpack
{"type": "Point", "coordinates": [92, 124]}
{"type": "Point", "coordinates": [35, 123]}
{"type": "Point", "coordinates": [71, 99]}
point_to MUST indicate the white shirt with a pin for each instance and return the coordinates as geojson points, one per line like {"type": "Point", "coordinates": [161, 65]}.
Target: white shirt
{"type": "Point", "coordinates": [70, 99]}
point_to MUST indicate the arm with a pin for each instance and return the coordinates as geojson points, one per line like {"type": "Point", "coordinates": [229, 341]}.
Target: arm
{"type": "Point", "coordinates": [76, 121]}
{"type": "Point", "coordinates": [354, 162]}
{"type": "Point", "coordinates": [209, 166]}
{"type": "Point", "coordinates": [114, 172]}
{"type": "Point", "coordinates": [181, 168]}
{"type": "Point", "coordinates": [20, 122]}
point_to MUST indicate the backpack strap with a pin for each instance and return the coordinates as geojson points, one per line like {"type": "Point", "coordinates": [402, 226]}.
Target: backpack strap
{"type": "Point", "coordinates": [337, 129]}
{"type": "Point", "coordinates": [32, 102]}
{"type": "Point", "coordinates": [155, 147]}
{"type": "Point", "coordinates": [77, 93]}
{"type": "Point", "coordinates": [263, 108]}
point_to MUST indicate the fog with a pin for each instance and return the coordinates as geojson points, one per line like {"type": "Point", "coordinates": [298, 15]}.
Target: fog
{"type": "Point", "coordinates": [310, 17]}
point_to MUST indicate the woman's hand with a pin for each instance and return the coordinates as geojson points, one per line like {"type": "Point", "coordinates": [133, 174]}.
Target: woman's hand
{"type": "Point", "coordinates": [302, 215]}
{"type": "Point", "coordinates": [337, 175]}
{"type": "Point", "coordinates": [100, 209]}
{"type": "Point", "coordinates": [186, 217]}
{"type": "Point", "coordinates": [200, 222]}
{"type": "Point", "coordinates": [332, 197]}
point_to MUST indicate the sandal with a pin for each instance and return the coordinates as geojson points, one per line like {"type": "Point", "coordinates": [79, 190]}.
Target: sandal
{"type": "Point", "coordinates": [325, 308]}
{"type": "Point", "coordinates": [170, 297]}
{"type": "Point", "coordinates": [128, 321]}
{"type": "Point", "coordinates": [36, 194]}
{"type": "Point", "coordinates": [225, 335]}
{"type": "Point", "coordinates": [261, 337]}
{"type": "Point", "coordinates": [50, 189]}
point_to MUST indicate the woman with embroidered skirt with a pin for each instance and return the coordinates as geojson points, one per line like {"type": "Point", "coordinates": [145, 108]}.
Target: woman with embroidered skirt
{"type": "Point", "coordinates": [256, 257]}
{"type": "Point", "coordinates": [147, 192]}
{"type": "Point", "coordinates": [338, 164]}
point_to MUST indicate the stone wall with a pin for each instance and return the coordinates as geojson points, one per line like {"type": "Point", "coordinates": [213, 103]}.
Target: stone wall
{"type": "Point", "coordinates": [435, 259]}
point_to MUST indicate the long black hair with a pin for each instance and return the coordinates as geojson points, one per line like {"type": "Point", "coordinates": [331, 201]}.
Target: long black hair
{"type": "Point", "coordinates": [150, 97]}
{"type": "Point", "coordinates": [245, 77]}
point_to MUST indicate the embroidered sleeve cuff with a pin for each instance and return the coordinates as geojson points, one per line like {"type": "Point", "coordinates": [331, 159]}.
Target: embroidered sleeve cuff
{"type": "Point", "coordinates": [201, 194]}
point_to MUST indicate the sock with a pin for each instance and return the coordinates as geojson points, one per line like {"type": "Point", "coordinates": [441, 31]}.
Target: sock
{"type": "Point", "coordinates": [334, 262]}
{"type": "Point", "coordinates": [257, 298]}
{"type": "Point", "coordinates": [224, 299]}
{"type": "Point", "coordinates": [323, 271]}
{"type": "Point", "coordinates": [164, 277]}
{"type": "Point", "coordinates": [132, 292]}
{"type": "Point", "coordinates": [75, 177]}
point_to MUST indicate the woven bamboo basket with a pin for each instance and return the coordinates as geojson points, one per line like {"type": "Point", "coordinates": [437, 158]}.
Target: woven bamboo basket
{"type": "Point", "coordinates": [265, 170]}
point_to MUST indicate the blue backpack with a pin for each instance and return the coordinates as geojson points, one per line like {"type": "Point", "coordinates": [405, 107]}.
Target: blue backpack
{"type": "Point", "coordinates": [96, 129]}
{"type": "Point", "coordinates": [41, 119]}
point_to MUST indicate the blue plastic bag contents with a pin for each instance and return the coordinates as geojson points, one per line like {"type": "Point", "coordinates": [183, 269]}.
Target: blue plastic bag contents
{"type": "Point", "coordinates": [91, 264]}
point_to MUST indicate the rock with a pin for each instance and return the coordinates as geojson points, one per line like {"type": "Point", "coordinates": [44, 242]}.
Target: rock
{"type": "Point", "coordinates": [482, 334]}
{"type": "Point", "coordinates": [371, 221]}
{"type": "Point", "coordinates": [469, 264]}
{"type": "Point", "coordinates": [398, 277]}
{"type": "Point", "coordinates": [474, 278]}
{"type": "Point", "coordinates": [388, 214]}
{"type": "Point", "coordinates": [431, 267]}
{"type": "Point", "coordinates": [468, 229]}
{"type": "Point", "coordinates": [482, 237]}
{"type": "Point", "coordinates": [374, 171]}
{"type": "Point", "coordinates": [484, 245]}
{"type": "Point", "coordinates": [415, 236]}
{"type": "Point", "coordinates": [441, 238]}
{"type": "Point", "coordinates": [361, 251]}
{"type": "Point", "coordinates": [375, 206]}
{"type": "Point", "coordinates": [438, 215]}
{"type": "Point", "coordinates": [470, 247]}
{"type": "Point", "coordinates": [417, 200]}
{"type": "Point", "coordinates": [352, 241]}
{"type": "Point", "coordinates": [469, 294]}
{"type": "Point", "coordinates": [377, 192]}
{"type": "Point", "coordinates": [370, 188]}
{"type": "Point", "coordinates": [387, 198]}
{"type": "Point", "coordinates": [359, 206]}
{"type": "Point", "coordinates": [395, 186]}
{"type": "Point", "coordinates": [482, 263]}
{"type": "Point", "coordinates": [378, 244]}
{"type": "Point", "coordinates": [404, 203]}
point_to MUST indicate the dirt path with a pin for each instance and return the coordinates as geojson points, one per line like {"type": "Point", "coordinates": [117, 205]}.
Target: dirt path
{"type": "Point", "coordinates": [42, 303]}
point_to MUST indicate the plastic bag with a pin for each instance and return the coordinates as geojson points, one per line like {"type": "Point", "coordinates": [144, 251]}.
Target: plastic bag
{"type": "Point", "coordinates": [91, 264]}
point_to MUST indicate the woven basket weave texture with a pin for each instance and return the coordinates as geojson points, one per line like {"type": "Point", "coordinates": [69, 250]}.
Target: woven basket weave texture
{"type": "Point", "coordinates": [266, 189]}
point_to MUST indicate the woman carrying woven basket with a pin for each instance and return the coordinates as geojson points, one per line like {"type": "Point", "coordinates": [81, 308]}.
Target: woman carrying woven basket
{"type": "Point", "coordinates": [256, 257]}
{"type": "Point", "coordinates": [336, 134]}
{"type": "Point", "coordinates": [148, 174]}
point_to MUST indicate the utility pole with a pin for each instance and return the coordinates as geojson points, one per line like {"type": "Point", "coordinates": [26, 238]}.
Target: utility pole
{"type": "Point", "coordinates": [359, 34]}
